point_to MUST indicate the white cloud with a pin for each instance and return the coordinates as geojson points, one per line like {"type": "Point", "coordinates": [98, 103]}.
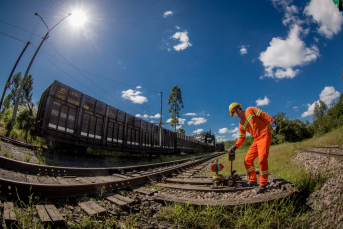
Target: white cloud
{"type": "Point", "coordinates": [290, 11]}
{"type": "Point", "coordinates": [145, 116]}
{"type": "Point", "coordinates": [262, 102]}
{"type": "Point", "coordinates": [243, 49]}
{"type": "Point", "coordinates": [184, 41]}
{"type": "Point", "coordinates": [134, 96]}
{"type": "Point", "coordinates": [190, 114]}
{"type": "Point", "coordinates": [284, 55]}
{"type": "Point", "coordinates": [198, 131]}
{"type": "Point", "coordinates": [181, 121]}
{"type": "Point", "coordinates": [327, 96]}
{"type": "Point", "coordinates": [289, 17]}
{"type": "Point", "coordinates": [309, 110]}
{"type": "Point", "coordinates": [208, 115]}
{"type": "Point", "coordinates": [326, 15]}
{"type": "Point", "coordinates": [235, 133]}
{"type": "Point", "coordinates": [220, 139]}
{"type": "Point", "coordinates": [138, 87]}
{"type": "Point", "coordinates": [156, 116]}
{"type": "Point", "coordinates": [197, 121]}
{"type": "Point", "coordinates": [177, 27]}
{"type": "Point", "coordinates": [227, 131]}
{"type": "Point", "coordinates": [232, 124]}
{"type": "Point", "coordinates": [295, 107]}
{"type": "Point", "coordinates": [167, 13]}
{"type": "Point", "coordinates": [223, 130]}
{"type": "Point", "coordinates": [138, 115]}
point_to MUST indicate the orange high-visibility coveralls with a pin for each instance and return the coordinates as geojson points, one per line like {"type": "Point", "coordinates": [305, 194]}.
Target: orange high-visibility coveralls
{"type": "Point", "coordinates": [255, 122]}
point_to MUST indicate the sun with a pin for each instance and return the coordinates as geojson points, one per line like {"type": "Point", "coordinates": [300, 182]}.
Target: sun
{"type": "Point", "coordinates": [78, 18]}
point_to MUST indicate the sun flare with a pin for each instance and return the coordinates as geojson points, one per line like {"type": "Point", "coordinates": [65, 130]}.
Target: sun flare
{"type": "Point", "coordinates": [78, 18]}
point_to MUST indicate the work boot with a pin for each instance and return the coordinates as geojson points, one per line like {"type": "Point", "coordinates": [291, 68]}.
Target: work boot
{"type": "Point", "coordinates": [261, 189]}
{"type": "Point", "coordinates": [252, 183]}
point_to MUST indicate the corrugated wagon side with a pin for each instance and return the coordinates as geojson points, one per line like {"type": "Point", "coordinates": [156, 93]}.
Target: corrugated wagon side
{"type": "Point", "coordinates": [71, 120]}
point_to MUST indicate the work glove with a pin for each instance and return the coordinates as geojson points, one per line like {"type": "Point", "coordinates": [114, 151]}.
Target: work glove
{"type": "Point", "coordinates": [275, 127]}
{"type": "Point", "coordinates": [232, 153]}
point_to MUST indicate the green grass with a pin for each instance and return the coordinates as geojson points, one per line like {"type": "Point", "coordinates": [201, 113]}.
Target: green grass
{"type": "Point", "coordinates": [8, 154]}
{"type": "Point", "coordinates": [27, 158]}
{"type": "Point", "coordinates": [286, 213]}
{"type": "Point", "coordinates": [277, 214]}
{"type": "Point", "coordinates": [280, 157]}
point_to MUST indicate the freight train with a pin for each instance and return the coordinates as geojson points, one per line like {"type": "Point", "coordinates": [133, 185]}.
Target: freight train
{"type": "Point", "coordinates": [69, 119]}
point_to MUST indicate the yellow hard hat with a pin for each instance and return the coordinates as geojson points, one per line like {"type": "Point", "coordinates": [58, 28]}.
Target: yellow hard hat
{"type": "Point", "coordinates": [232, 106]}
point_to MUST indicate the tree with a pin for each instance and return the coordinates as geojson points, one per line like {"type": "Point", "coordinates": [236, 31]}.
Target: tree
{"type": "Point", "coordinates": [181, 131]}
{"type": "Point", "coordinates": [175, 103]}
{"type": "Point", "coordinates": [320, 109]}
{"type": "Point", "coordinates": [26, 96]}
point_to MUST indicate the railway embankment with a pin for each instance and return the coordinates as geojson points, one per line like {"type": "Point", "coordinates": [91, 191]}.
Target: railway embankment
{"type": "Point", "coordinates": [325, 204]}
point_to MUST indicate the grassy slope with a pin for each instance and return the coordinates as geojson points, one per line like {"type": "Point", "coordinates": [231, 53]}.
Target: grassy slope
{"type": "Point", "coordinates": [286, 213]}
{"type": "Point", "coordinates": [280, 156]}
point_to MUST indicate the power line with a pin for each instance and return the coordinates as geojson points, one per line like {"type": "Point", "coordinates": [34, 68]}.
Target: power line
{"type": "Point", "coordinates": [79, 81]}
{"type": "Point", "coordinates": [19, 28]}
{"type": "Point", "coordinates": [12, 37]}
{"type": "Point", "coordinates": [87, 87]}
{"type": "Point", "coordinates": [43, 14]}
{"type": "Point", "coordinates": [77, 67]}
{"type": "Point", "coordinates": [68, 63]}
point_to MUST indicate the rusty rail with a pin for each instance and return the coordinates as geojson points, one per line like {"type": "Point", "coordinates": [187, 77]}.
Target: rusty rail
{"type": "Point", "coordinates": [74, 171]}
{"type": "Point", "coordinates": [18, 143]}
{"type": "Point", "coordinates": [335, 155]}
{"type": "Point", "coordinates": [11, 188]}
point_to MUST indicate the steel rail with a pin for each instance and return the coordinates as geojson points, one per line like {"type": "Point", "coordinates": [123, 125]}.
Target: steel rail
{"type": "Point", "coordinates": [12, 188]}
{"type": "Point", "coordinates": [19, 143]}
{"type": "Point", "coordinates": [335, 155]}
{"type": "Point", "coordinates": [75, 171]}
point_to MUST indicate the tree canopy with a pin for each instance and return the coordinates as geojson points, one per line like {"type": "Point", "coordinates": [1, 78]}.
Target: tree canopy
{"type": "Point", "coordinates": [26, 96]}
{"type": "Point", "coordinates": [175, 104]}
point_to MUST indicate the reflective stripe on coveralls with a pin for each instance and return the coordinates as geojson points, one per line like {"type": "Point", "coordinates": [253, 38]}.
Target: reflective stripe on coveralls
{"type": "Point", "coordinates": [264, 172]}
{"type": "Point", "coordinates": [242, 135]}
{"type": "Point", "coordinates": [247, 121]}
{"type": "Point", "coordinates": [259, 112]}
{"type": "Point", "coordinates": [260, 149]}
{"type": "Point", "coordinates": [251, 169]}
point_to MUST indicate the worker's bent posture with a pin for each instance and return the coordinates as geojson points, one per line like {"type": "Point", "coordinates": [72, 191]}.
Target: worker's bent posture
{"type": "Point", "coordinates": [254, 121]}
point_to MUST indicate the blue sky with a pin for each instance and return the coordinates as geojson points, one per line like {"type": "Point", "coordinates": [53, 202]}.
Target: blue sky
{"type": "Point", "coordinates": [278, 55]}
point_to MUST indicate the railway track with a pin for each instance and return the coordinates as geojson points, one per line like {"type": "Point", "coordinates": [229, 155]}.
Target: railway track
{"type": "Point", "coordinates": [124, 193]}
{"type": "Point", "coordinates": [329, 151]}
{"type": "Point", "coordinates": [18, 143]}
{"type": "Point", "coordinates": [60, 182]}
{"type": "Point", "coordinates": [116, 192]}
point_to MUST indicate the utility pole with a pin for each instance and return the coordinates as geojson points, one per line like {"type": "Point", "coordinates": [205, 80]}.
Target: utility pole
{"type": "Point", "coordinates": [161, 127]}
{"type": "Point", "coordinates": [10, 76]}
{"type": "Point", "coordinates": [28, 68]}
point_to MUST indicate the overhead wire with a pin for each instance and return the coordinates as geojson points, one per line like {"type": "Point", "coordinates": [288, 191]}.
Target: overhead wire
{"type": "Point", "coordinates": [77, 67]}
{"type": "Point", "coordinates": [38, 20]}
{"type": "Point", "coordinates": [90, 81]}
{"type": "Point", "coordinates": [12, 37]}
{"type": "Point", "coordinates": [18, 28]}
{"type": "Point", "coordinates": [74, 78]}
{"type": "Point", "coordinates": [68, 63]}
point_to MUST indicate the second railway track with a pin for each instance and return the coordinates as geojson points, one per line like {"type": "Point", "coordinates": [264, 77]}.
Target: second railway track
{"type": "Point", "coordinates": [121, 178]}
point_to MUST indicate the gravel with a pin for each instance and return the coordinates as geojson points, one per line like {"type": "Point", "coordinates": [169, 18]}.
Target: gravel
{"type": "Point", "coordinates": [326, 204]}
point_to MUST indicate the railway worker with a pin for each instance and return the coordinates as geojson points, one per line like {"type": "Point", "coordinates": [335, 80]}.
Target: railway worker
{"type": "Point", "coordinates": [254, 121]}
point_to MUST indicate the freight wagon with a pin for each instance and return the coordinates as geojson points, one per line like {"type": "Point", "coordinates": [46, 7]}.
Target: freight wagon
{"type": "Point", "coordinates": [69, 119]}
